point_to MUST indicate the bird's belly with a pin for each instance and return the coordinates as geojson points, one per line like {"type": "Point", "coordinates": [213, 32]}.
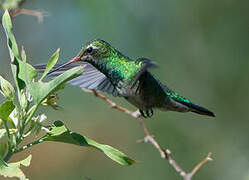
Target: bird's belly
{"type": "Point", "coordinates": [132, 96]}
{"type": "Point", "coordinates": [137, 101]}
{"type": "Point", "coordinates": [142, 101]}
{"type": "Point", "coordinates": [143, 97]}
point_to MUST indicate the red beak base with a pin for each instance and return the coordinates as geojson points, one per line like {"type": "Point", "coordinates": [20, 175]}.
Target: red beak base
{"type": "Point", "coordinates": [75, 59]}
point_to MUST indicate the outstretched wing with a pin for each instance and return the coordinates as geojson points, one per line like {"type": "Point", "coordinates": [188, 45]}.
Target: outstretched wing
{"type": "Point", "coordinates": [90, 79]}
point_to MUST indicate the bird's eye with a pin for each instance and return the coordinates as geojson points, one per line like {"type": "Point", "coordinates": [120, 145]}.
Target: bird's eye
{"type": "Point", "coordinates": [89, 50]}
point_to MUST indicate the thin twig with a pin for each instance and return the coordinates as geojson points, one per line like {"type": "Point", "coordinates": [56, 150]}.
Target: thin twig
{"type": "Point", "coordinates": [200, 164]}
{"type": "Point", "coordinates": [165, 153]}
{"type": "Point", "coordinates": [19, 11]}
{"type": "Point", "coordinates": [113, 105]}
{"type": "Point", "coordinates": [39, 14]}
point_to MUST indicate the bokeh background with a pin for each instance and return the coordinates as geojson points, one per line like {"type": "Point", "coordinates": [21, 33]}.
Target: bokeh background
{"type": "Point", "coordinates": [203, 51]}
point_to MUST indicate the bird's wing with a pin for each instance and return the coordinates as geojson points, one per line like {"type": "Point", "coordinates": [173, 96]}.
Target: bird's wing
{"type": "Point", "coordinates": [90, 79]}
{"type": "Point", "coordinates": [146, 63]}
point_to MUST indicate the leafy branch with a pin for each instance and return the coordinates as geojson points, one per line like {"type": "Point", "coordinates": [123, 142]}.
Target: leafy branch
{"type": "Point", "coordinates": [18, 113]}
{"type": "Point", "coordinates": [165, 153]}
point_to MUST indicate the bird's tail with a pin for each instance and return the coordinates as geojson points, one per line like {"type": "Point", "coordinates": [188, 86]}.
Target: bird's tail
{"type": "Point", "coordinates": [200, 110]}
{"type": "Point", "coordinates": [182, 104]}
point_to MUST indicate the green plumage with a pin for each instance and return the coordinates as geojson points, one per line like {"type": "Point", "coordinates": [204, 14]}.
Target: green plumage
{"type": "Point", "coordinates": [112, 63]}
{"type": "Point", "coordinates": [177, 97]}
{"type": "Point", "coordinates": [118, 66]}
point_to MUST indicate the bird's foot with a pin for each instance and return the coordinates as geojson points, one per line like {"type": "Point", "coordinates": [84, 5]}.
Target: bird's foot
{"type": "Point", "coordinates": [148, 113]}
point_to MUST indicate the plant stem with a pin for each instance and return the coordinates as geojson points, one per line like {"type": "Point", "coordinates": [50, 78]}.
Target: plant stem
{"type": "Point", "coordinates": [33, 110]}
{"type": "Point", "coordinates": [25, 122]}
{"type": "Point", "coordinates": [8, 156]}
{"type": "Point", "coordinates": [29, 145]}
{"type": "Point", "coordinates": [19, 139]}
{"type": "Point", "coordinates": [8, 134]}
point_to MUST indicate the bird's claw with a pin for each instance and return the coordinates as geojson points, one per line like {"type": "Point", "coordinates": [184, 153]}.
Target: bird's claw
{"type": "Point", "coordinates": [148, 113]}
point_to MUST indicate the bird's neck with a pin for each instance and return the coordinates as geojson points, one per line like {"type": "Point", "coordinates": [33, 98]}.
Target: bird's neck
{"type": "Point", "coordinates": [118, 68]}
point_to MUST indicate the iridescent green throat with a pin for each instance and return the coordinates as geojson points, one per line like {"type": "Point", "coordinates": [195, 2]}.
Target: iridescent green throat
{"type": "Point", "coordinates": [119, 67]}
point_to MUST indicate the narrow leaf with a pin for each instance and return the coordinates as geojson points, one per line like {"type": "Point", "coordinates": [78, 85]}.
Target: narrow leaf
{"type": "Point", "coordinates": [7, 24]}
{"type": "Point", "coordinates": [23, 100]}
{"type": "Point", "coordinates": [52, 61]}
{"type": "Point", "coordinates": [23, 73]}
{"type": "Point", "coordinates": [26, 72]}
{"type": "Point", "coordinates": [111, 152]}
{"type": "Point", "coordinates": [7, 89]}
{"type": "Point", "coordinates": [23, 55]}
{"type": "Point", "coordinates": [3, 148]}
{"type": "Point", "coordinates": [60, 133]}
{"type": "Point", "coordinates": [5, 109]}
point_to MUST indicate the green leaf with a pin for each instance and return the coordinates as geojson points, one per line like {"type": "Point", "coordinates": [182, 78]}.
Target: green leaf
{"type": "Point", "coordinates": [13, 169]}
{"type": "Point", "coordinates": [7, 24]}
{"type": "Point", "coordinates": [23, 100]}
{"type": "Point", "coordinates": [111, 152]}
{"type": "Point", "coordinates": [23, 55]}
{"type": "Point", "coordinates": [3, 148]}
{"type": "Point", "coordinates": [52, 61]}
{"type": "Point", "coordinates": [22, 72]}
{"type": "Point", "coordinates": [7, 89]}
{"type": "Point", "coordinates": [40, 90]}
{"type": "Point", "coordinates": [2, 133]}
{"type": "Point", "coordinates": [60, 133]}
{"type": "Point", "coordinates": [26, 72]}
{"type": "Point", "coordinates": [5, 109]}
{"type": "Point", "coordinates": [13, 119]}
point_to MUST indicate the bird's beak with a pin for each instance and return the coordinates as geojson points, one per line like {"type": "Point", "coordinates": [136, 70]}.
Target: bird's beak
{"type": "Point", "coordinates": [76, 59]}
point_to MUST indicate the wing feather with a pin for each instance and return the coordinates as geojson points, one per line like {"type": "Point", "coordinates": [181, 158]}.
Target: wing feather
{"type": "Point", "coordinates": [90, 79]}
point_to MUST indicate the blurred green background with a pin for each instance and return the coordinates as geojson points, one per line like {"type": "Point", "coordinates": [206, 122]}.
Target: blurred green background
{"type": "Point", "coordinates": [203, 51]}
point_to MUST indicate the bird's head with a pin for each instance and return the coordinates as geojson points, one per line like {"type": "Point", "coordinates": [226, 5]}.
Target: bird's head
{"type": "Point", "coordinates": [95, 51]}
{"type": "Point", "coordinates": [92, 52]}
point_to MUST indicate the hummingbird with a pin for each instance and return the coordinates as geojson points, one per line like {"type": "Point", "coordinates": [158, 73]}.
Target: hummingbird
{"type": "Point", "coordinates": [108, 70]}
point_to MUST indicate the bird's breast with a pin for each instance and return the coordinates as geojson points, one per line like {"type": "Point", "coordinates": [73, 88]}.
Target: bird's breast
{"type": "Point", "coordinates": [137, 101]}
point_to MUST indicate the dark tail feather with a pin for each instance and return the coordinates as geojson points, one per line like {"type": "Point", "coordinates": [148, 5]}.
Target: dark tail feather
{"type": "Point", "coordinates": [201, 110]}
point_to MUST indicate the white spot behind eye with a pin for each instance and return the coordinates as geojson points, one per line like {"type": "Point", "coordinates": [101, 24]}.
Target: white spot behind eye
{"type": "Point", "coordinates": [94, 47]}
